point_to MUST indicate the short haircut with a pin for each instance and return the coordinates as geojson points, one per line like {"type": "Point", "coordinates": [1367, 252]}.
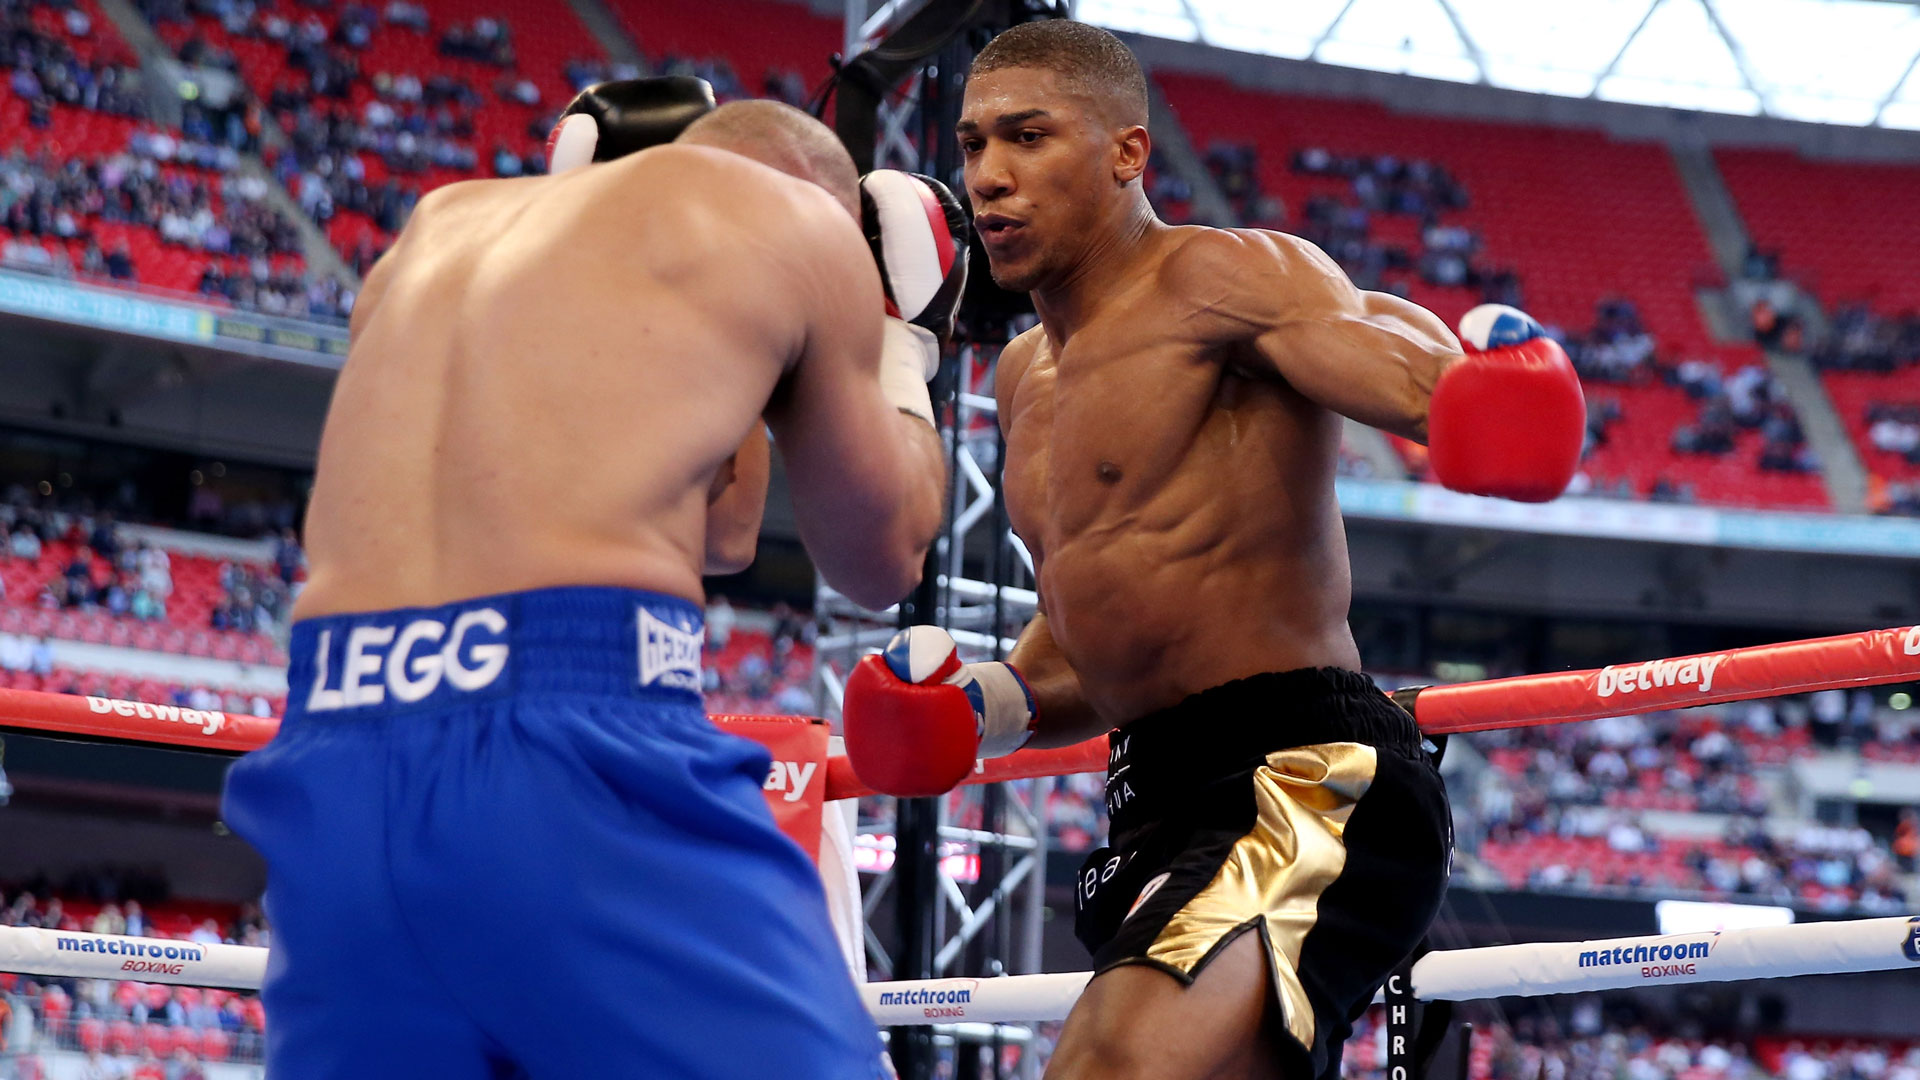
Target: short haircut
{"type": "Point", "coordinates": [1093, 59]}
{"type": "Point", "coordinates": [783, 137]}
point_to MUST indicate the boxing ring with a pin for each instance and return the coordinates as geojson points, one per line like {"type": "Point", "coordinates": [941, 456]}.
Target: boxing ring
{"type": "Point", "coordinates": [1839, 662]}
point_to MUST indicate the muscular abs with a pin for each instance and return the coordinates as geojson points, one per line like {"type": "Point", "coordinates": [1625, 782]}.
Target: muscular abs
{"type": "Point", "coordinates": [1180, 512]}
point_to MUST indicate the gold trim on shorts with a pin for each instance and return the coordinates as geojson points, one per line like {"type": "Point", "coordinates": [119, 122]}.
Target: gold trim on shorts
{"type": "Point", "coordinates": [1273, 876]}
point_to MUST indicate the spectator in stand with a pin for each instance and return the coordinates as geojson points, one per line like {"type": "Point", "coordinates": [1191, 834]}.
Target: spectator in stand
{"type": "Point", "coordinates": [149, 1067]}
{"type": "Point", "coordinates": [1665, 490]}
{"type": "Point", "coordinates": [79, 575]}
{"type": "Point", "coordinates": [16, 654]}
{"type": "Point", "coordinates": [99, 1067]}
{"type": "Point", "coordinates": [42, 662]}
{"type": "Point", "coordinates": [25, 544]}
{"type": "Point", "coordinates": [288, 558]}
{"type": "Point", "coordinates": [136, 919]}
{"type": "Point", "coordinates": [120, 263]}
{"type": "Point", "coordinates": [1895, 428]}
{"type": "Point", "coordinates": [720, 622]}
{"type": "Point", "coordinates": [109, 920]}
{"type": "Point", "coordinates": [186, 1066]}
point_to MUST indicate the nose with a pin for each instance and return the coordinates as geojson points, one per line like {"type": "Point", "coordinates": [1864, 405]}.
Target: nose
{"type": "Point", "coordinates": [988, 177]}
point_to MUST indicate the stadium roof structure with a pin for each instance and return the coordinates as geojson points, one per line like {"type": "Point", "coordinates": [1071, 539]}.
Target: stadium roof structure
{"type": "Point", "coordinates": [1850, 62]}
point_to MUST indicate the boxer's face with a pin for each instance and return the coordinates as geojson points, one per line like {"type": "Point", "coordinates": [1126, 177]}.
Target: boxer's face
{"type": "Point", "coordinates": [1040, 170]}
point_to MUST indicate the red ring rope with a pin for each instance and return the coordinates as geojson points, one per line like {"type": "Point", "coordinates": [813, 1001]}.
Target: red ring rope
{"type": "Point", "coordinates": [1845, 660]}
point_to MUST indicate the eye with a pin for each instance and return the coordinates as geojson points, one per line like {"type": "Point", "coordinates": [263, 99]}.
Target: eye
{"type": "Point", "coordinates": [1030, 136]}
{"type": "Point", "coordinates": [970, 146]}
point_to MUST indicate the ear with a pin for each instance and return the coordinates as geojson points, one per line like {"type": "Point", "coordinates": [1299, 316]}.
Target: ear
{"type": "Point", "coordinates": [1132, 147]}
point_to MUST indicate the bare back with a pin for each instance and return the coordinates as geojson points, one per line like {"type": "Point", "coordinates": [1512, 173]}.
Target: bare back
{"type": "Point", "coordinates": [547, 373]}
{"type": "Point", "coordinates": [1176, 490]}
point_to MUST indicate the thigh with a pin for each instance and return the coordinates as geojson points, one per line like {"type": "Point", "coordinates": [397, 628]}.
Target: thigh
{"type": "Point", "coordinates": [1375, 914]}
{"type": "Point", "coordinates": [345, 984]}
{"type": "Point", "coordinates": [649, 918]}
{"type": "Point", "coordinates": [1139, 1021]}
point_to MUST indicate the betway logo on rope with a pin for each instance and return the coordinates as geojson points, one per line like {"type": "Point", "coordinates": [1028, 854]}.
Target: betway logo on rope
{"type": "Point", "coordinates": [938, 1004]}
{"type": "Point", "coordinates": [209, 723]}
{"type": "Point", "coordinates": [142, 956]}
{"type": "Point", "coordinates": [1656, 961]}
{"type": "Point", "coordinates": [1696, 672]}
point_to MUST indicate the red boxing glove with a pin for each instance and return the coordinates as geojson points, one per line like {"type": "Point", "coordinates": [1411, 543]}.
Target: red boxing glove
{"type": "Point", "coordinates": [916, 718]}
{"type": "Point", "coordinates": [1509, 420]}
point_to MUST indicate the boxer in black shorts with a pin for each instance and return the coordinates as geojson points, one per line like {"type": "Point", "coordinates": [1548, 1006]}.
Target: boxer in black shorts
{"type": "Point", "coordinates": [1172, 430]}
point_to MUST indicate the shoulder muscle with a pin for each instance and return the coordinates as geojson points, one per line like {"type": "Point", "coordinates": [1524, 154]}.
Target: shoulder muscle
{"type": "Point", "coordinates": [1252, 280]}
{"type": "Point", "coordinates": [1015, 357]}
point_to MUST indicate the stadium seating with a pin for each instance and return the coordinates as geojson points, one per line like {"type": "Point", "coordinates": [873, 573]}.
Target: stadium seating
{"type": "Point", "coordinates": [1582, 217]}
{"type": "Point", "coordinates": [1848, 231]}
{"type": "Point", "coordinates": [196, 592]}
{"type": "Point", "coordinates": [755, 37]}
{"type": "Point", "coordinates": [540, 58]}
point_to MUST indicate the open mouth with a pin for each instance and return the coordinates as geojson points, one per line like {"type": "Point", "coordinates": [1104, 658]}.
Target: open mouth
{"type": "Point", "coordinates": [994, 227]}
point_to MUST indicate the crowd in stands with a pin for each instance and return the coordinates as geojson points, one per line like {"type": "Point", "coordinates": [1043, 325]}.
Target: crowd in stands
{"type": "Point", "coordinates": [758, 663]}
{"type": "Point", "coordinates": [45, 196]}
{"type": "Point", "coordinates": [1619, 351]}
{"type": "Point", "coordinates": [100, 569]}
{"type": "Point", "coordinates": [1387, 184]}
{"type": "Point", "coordinates": [1569, 812]}
{"type": "Point", "coordinates": [1859, 339]}
{"type": "Point", "coordinates": [1598, 1044]}
{"type": "Point", "coordinates": [44, 70]}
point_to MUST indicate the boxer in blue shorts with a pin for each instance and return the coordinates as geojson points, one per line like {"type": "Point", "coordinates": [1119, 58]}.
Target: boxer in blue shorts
{"type": "Point", "coordinates": [502, 837]}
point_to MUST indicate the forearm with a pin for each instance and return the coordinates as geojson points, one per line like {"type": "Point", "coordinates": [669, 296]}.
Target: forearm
{"type": "Point", "coordinates": [1062, 715]}
{"type": "Point", "coordinates": [736, 502]}
{"type": "Point", "coordinates": [924, 458]}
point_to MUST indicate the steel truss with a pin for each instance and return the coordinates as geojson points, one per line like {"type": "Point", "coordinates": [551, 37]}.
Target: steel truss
{"type": "Point", "coordinates": [984, 594]}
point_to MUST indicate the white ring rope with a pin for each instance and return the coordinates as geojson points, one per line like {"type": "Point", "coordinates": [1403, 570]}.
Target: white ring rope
{"type": "Point", "coordinates": [1763, 952]}
{"type": "Point", "coordinates": [110, 956]}
{"type": "Point", "coordinates": [1499, 971]}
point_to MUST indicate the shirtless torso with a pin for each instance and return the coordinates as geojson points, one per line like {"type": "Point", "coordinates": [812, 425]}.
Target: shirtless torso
{"type": "Point", "coordinates": [550, 376]}
{"type": "Point", "coordinates": [1174, 482]}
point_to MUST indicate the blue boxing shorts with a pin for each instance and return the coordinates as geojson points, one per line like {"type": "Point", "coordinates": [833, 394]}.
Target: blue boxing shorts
{"type": "Point", "coordinates": [504, 840]}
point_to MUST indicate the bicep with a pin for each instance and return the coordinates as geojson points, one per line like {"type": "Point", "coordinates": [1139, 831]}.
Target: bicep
{"type": "Point", "coordinates": [1365, 355]}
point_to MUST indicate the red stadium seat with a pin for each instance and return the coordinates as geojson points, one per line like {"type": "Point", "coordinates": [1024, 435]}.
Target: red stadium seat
{"type": "Point", "coordinates": [122, 1037]}
{"type": "Point", "coordinates": [215, 1044]}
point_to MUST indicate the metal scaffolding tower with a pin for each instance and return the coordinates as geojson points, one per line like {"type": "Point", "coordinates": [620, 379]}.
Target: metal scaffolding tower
{"type": "Point", "coordinates": [959, 882]}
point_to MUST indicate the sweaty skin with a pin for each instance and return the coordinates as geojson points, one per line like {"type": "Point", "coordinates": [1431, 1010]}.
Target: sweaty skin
{"type": "Point", "coordinates": [550, 378]}
{"type": "Point", "coordinates": [1173, 422]}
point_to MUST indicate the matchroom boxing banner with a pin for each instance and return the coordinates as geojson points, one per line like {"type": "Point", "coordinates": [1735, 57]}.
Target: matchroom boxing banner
{"type": "Point", "coordinates": [798, 775]}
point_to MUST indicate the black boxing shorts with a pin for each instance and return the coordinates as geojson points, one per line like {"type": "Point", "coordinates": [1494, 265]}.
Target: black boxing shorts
{"type": "Point", "coordinates": [1298, 805]}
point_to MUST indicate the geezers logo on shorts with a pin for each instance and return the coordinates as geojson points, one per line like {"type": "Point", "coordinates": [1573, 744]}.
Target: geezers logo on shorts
{"type": "Point", "coordinates": [670, 651]}
{"type": "Point", "coordinates": [405, 663]}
